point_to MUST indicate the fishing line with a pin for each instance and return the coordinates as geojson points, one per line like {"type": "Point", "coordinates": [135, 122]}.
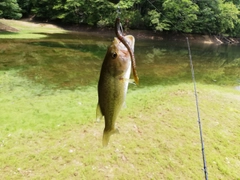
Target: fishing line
{"type": "Point", "coordinates": [196, 99]}
{"type": "Point", "coordinates": [153, 6]}
{"type": "Point", "coordinates": [159, 12]}
{"type": "Point", "coordinates": [198, 112]}
{"type": "Point", "coordinates": [118, 16]}
{"type": "Point", "coordinates": [118, 11]}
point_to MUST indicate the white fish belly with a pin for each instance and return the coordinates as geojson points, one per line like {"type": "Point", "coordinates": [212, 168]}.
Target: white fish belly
{"type": "Point", "coordinates": [126, 78]}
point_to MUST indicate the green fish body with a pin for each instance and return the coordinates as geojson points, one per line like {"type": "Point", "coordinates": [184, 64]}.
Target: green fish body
{"type": "Point", "coordinates": [113, 84]}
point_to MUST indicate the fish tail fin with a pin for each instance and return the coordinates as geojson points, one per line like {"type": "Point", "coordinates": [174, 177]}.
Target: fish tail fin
{"type": "Point", "coordinates": [106, 136]}
{"type": "Point", "coordinates": [99, 115]}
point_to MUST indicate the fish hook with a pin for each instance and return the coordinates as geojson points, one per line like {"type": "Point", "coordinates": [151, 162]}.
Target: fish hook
{"type": "Point", "coordinates": [121, 28]}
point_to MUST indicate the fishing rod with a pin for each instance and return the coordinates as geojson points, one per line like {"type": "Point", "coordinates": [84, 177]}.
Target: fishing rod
{"type": "Point", "coordinates": [198, 112]}
{"type": "Point", "coordinates": [196, 99]}
{"type": "Point", "coordinates": [195, 92]}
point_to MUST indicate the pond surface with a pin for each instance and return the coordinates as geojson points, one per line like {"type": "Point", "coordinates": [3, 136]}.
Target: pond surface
{"type": "Point", "coordinates": [74, 60]}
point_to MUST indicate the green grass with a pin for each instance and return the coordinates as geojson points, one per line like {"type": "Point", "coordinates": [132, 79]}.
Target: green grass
{"type": "Point", "coordinates": [28, 30]}
{"type": "Point", "coordinates": [51, 134]}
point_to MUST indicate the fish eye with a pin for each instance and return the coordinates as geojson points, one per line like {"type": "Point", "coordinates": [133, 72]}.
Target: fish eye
{"type": "Point", "coordinates": [114, 55]}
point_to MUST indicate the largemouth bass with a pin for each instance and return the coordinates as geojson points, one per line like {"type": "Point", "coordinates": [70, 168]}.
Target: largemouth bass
{"type": "Point", "coordinates": [113, 83]}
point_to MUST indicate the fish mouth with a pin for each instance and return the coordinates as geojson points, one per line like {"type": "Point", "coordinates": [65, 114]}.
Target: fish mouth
{"type": "Point", "coordinates": [120, 47]}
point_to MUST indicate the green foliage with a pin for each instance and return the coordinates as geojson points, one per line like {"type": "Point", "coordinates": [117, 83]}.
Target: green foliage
{"type": "Point", "coordinates": [182, 14]}
{"type": "Point", "coordinates": [96, 10]}
{"type": "Point", "coordinates": [25, 5]}
{"type": "Point", "coordinates": [10, 9]}
{"type": "Point", "coordinates": [44, 8]}
{"type": "Point", "coordinates": [207, 21]}
{"type": "Point", "coordinates": [155, 21]}
{"type": "Point", "coordinates": [229, 17]}
{"type": "Point", "coordinates": [196, 16]}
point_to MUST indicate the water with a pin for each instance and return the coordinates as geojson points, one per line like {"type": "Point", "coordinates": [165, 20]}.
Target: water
{"type": "Point", "coordinates": [74, 60]}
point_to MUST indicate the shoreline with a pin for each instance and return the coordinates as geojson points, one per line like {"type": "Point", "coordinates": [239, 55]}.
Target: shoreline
{"type": "Point", "coordinates": [151, 35]}
{"type": "Point", "coordinates": [140, 34]}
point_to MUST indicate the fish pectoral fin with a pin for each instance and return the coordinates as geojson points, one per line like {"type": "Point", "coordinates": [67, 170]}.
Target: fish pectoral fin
{"type": "Point", "coordinates": [132, 81]}
{"type": "Point", "coordinates": [99, 114]}
{"type": "Point", "coordinates": [106, 136]}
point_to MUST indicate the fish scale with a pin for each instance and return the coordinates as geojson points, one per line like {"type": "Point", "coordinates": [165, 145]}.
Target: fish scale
{"type": "Point", "coordinates": [113, 84]}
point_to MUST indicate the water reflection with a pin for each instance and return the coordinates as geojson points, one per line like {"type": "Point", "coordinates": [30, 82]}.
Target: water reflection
{"type": "Point", "coordinates": [74, 60]}
{"type": "Point", "coordinates": [168, 62]}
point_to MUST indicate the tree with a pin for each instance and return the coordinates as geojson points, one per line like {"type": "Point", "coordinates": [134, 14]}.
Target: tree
{"type": "Point", "coordinates": [26, 6]}
{"type": "Point", "coordinates": [228, 17]}
{"type": "Point", "coordinates": [181, 14]}
{"type": "Point", "coordinates": [207, 17]}
{"type": "Point", "coordinates": [197, 16]}
{"type": "Point", "coordinates": [44, 9]}
{"type": "Point", "coordinates": [157, 22]}
{"type": "Point", "coordinates": [10, 9]}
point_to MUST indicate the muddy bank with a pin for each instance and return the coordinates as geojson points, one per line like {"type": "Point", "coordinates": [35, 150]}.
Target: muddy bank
{"type": "Point", "coordinates": [5, 28]}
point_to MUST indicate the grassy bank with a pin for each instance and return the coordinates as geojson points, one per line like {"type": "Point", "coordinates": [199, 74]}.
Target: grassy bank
{"type": "Point", "coordinates": [51, 134]}
{"type": "Point", "coordinates": [15, 29]}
